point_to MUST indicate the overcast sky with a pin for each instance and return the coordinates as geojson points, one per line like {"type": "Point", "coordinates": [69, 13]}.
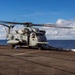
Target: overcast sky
{"type": "Point", "coordinates": [60, 12]}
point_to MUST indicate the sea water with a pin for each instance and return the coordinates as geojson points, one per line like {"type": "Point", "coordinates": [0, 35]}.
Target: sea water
{"type": "Point", "coordinates": [67, 44]}
{"type": "Point", "coordinates": [3, 42]}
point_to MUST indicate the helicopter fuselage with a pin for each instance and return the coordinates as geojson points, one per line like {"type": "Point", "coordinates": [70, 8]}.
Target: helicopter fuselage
{"type": "Point", "coordinates": [32, 37]}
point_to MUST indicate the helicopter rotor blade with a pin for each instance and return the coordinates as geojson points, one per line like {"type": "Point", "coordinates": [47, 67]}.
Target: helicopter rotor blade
{"type": "Point", "coordinates": [29, 24]}
{"type": "Point", "coordinates": [52, 25]}
{"type": "Point", "coordinates": [9, 26]}
{"type": "Point", "coordinates": [10, 22]}
{"type": "Point", "coordinates": [56, 26]}
{"type": "Point", "coordinates": [4, 25]}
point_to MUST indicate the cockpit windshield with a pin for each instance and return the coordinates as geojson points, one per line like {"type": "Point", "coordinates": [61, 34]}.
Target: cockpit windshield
{"type": "Point", "coordinates": [39, 34]}
{"type": "Point", "coordinates": [41, 37]}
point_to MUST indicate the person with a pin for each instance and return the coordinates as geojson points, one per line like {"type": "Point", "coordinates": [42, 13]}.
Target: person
{"type": "Point", "coordinates": [16, 47]}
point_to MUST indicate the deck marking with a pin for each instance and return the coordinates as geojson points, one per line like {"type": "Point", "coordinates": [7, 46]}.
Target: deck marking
{"type": "Point", "coordinates": [27, 52]}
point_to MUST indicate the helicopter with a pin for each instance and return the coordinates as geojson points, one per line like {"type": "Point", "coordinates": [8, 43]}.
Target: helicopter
{"type": "Point", "coordinates": [28, 36]}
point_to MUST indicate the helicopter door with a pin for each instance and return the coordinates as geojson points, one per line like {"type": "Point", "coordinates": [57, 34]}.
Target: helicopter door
{"type": "Point", "coordinates": [28, 35]}
{"type": "Point", "coordinates": [33, 39]}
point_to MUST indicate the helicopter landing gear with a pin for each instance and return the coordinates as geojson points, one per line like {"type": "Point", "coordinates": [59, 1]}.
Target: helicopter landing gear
{"type": "Point", "coordinates": [39, 48]}
{"type": "Point", "coordinates": [42, 47]}
{"type": "Point", "coordinates": [13, 46]}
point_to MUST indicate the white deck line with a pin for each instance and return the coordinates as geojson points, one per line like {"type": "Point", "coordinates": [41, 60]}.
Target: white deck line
{"type": "Point", "coordinates": [26, 52]}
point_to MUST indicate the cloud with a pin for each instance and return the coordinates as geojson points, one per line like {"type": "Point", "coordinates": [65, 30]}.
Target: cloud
{"type": "Point", "coordinates": [66, 22]}
{"type": "Point", "coordinates": [2, 36]}
{"type": "Point", "coordinates": [60, 33]}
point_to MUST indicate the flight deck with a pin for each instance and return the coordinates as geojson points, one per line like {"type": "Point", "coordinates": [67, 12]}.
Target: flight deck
{"type": "Point", "coordinates": [24, 61]}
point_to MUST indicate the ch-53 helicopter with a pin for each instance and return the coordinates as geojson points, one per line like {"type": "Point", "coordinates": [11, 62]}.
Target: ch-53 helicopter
{"type": "Point", "coordinates": [28, 36]}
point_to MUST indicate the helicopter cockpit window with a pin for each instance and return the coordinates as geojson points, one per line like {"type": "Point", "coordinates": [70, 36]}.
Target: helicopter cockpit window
{"type": "Point", "coordinates": [39, 34]}
{"type": "Point", "coordinates": [35, 29]}
{"type": "Point", "coordinates": [12, 37]}
{"type": "Point", "coordinates": [42, 31]}
{"type": "Point", "coordinates": [33, 35]}
{"type": "Point", "coordinates": [26, 30]}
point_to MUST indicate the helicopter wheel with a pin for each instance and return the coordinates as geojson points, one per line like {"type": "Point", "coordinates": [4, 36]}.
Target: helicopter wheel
{"type": "Point", "coordinates": [39, 48]}
{"type": "Point", "coordinates": [29, 47]}
{"type": "Point", "coordinates": [13, 46]}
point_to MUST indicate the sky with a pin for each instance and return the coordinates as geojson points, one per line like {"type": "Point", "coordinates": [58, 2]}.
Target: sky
{"type": "Point", "coordinates": [60, 12]}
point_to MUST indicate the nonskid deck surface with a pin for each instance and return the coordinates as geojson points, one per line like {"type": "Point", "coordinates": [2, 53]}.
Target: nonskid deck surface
{"type": "Point", "coordinates": [36, 62]}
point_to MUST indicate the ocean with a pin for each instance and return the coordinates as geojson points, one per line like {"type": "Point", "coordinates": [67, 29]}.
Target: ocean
{"type": "Point", "coordinates": [67, 44]}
